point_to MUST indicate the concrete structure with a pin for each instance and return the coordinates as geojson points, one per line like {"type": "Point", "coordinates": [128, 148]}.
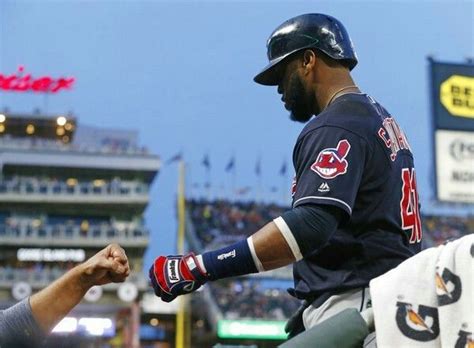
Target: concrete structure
{"type": "Point", "coordinates": [66, 191]}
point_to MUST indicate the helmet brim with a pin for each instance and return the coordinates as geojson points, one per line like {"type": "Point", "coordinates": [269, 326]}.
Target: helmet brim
{"type": "Point", "coordinates": [268, 76]}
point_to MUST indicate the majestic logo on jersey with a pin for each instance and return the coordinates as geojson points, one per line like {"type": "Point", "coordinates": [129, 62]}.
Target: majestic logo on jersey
{"type": "Point", "coordinates": [420, 325]}
{"type": "Point", "coordinates": [324, 187]}
{"type": "Point", "coordinates": [331, 162]}
{"type": "Point", "coordinates": [448, 287]}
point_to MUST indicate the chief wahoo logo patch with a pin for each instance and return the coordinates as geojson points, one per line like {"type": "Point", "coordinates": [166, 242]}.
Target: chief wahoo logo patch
{"type": "Point", "coordinates": [332, 162]}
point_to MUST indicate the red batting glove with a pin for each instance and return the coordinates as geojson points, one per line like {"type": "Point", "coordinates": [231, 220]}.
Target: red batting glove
{"type": "Point", "coordinates": [175, 275]}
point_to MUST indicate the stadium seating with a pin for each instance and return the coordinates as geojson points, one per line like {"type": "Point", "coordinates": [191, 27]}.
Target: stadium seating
{"type": "Point", "coordinates": [443, 228]}
{"type": "Point", "coordinates": [218, 223]}
{"type": "Point", "coordinates": [248, 298]}
{"type": "Point", "coordinates": [33, 185]}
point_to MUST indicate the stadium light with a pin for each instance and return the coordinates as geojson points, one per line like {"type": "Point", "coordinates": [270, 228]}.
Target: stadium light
{"type": "Point", "coordinates": [61, 121]}
{"type": "Point", "coordinates": [98, 182]}
{"type": "Point", "coordinates": [2, 118]}
{"type": "Point", "coordinates": [71, 182]}
{"type": "Point", "coordinates": [95, 326]}
{"type": "Point", "coordinates": [60, 131]}
{"type": "Point", "coordinates": [30, 129]}
{"type": "Point", "coordinates": [2, 128]}
{"type": "Point", "coordinates": [68, 324]}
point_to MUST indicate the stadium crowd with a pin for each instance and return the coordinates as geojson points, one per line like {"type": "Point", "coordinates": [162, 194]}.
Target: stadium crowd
{"type": "Point", "coordinates": [32, 272]}
{"type": "Point", "coordinates": [67, 227]}
{"type": "Point", "coordinates": [36, 143]}
{"type": "Point", "coordinates": [219, 223]}
{"type": "Point", "coordinates": [28, 185]}
{"type": "Point", "coordinates": [246, 298]}
{"type": "Point", "coordinates": [443, 228]}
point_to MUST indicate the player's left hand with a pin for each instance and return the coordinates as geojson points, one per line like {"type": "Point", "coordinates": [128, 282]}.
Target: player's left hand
{"type": "Point", "coordinates": [175, 275]}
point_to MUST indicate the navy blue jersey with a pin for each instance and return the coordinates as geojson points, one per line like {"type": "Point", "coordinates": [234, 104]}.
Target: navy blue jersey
{"type": "Point", "coordinates": [354, 156]}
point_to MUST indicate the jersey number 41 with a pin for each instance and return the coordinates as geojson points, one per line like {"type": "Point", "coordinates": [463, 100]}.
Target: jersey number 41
{"type": "Point", "coordinates": [409, 205]}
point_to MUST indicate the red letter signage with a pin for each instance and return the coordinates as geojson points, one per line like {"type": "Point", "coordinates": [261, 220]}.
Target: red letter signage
{"type": "Point", "coordinates": [21, 82]}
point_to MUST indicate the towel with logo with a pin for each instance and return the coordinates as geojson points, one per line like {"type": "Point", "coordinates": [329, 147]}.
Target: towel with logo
{"type": "Point", "coordinates": [427, 301]}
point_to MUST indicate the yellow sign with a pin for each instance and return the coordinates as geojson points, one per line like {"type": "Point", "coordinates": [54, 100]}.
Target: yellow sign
{"type": "Point", "coordinates": [457, 95]}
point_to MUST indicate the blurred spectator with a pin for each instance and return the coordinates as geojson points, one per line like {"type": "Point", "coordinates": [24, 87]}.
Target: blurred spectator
{"type": "Point", "coordinates": [56, 226]}
{"type": "Point", "coordinates": [443, 228]}
{"type": "Point", "coordinates": [246, 298]}
{"type": "Point", "coordinates": [36, 143]}
{"type": "Point", "coordinates": [218, 223]}
{"type": "Point", "coordinates": [45, 185]}
{"type": "Point", "coordinates": [222, 222]}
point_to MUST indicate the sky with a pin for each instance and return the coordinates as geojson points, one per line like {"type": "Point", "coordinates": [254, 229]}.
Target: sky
{"type": "Point", "coordinates": [180, 73]}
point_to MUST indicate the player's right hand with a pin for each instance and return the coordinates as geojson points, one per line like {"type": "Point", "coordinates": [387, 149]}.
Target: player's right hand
{"type": "Point", "coordinates": [110, 265]}
{"type": "Point", "coordinates": [175, 275]}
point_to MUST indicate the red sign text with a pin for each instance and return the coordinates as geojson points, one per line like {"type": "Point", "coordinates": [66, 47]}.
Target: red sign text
{"type": "Point", "coordinates": [21, 82]}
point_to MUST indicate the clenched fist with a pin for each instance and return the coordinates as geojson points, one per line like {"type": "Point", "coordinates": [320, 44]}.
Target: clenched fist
{"type": "Point", "coordinates": [110, 265]}
{"type": "Point", "coordinates": [175, 275]}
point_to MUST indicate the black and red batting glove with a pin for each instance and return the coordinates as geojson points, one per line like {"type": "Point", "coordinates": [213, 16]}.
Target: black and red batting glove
{"type": "Point", "coordinates": [175, 275]}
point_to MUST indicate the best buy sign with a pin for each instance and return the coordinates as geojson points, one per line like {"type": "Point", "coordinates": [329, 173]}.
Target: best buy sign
{"type": "Point", "coordinates": [457, 95]}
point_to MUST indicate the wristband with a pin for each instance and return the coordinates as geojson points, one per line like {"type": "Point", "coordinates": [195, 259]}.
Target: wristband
{"type": "Point", "coordinates": [230, 261]}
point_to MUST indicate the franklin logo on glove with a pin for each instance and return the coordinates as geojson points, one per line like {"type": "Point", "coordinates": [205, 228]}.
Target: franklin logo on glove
{"type": "Point", "coordinates": [173, 271]}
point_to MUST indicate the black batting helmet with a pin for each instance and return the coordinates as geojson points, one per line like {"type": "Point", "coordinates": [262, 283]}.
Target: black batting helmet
{"type": "Point", "coordinates": [313, 30]}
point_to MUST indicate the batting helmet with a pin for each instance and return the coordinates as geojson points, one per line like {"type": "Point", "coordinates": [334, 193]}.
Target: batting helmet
{"type": "Point", "coordinates": [313, 30]}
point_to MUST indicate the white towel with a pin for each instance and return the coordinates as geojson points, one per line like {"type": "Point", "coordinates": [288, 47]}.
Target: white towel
{"type": "Point", "coordinates": [427, 301]}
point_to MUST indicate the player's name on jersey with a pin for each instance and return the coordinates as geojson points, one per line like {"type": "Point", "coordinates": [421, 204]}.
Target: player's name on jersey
{"type": "Point", "coordinates": [393, 137]}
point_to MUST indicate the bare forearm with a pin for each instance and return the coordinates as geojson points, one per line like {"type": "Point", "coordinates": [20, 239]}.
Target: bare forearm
{"type": "Point", "coordinates": [53, 303]}
{"type": "Point", "coordinates": [271, 247]}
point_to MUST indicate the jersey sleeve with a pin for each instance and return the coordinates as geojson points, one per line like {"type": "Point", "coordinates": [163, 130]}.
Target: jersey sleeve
{"type": "Point", "coordinates": [329, 164]}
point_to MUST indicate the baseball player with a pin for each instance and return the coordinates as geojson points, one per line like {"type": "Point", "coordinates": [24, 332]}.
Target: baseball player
{"type": "Point", "coordinates": [355, 212]}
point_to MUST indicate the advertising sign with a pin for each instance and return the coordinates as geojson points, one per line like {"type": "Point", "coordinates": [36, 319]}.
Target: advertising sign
{"type": "Point", "coordinates": [455, 166]}
{"type": "Point", "coordinates": [453, 95]}
{"type": "Point", "coordinates": [252, 329]}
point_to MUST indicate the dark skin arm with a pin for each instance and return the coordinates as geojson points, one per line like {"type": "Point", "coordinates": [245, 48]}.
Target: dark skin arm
{"type": "Point", "coordinates": [271, 247]}
{"type": "Point", "coordinates": [50, 305]}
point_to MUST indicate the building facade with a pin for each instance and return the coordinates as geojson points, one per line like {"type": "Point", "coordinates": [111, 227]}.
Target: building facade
{"type": "Point", "coordinates": [67, 191]}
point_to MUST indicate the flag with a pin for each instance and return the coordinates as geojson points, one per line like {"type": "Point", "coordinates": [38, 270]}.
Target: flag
{"type": "Point", "coordinates": [243, 190]}
{"type": "Point", "coordinates": [175, 158]}
{"type": "Point", "coordinates": [230, 165]}
{"type": "Point", "coordinates": [206, 162]}
{"type": "Point", "coordinates": [283, 169]}
{"type": "Point", "coordinates": [258, 167]}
